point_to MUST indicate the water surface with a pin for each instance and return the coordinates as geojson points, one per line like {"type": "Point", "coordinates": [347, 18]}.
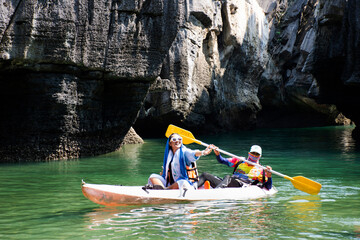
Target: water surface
{"type": "Point", "coordinates": [44, 200]}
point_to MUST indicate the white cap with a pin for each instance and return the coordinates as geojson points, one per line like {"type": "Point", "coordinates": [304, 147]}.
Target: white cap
{"type": "Point", "coordinates": [256, 148]}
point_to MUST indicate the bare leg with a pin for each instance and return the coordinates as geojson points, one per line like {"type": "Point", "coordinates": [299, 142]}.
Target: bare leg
{"type": "Point", "coordinates": [156, 181]}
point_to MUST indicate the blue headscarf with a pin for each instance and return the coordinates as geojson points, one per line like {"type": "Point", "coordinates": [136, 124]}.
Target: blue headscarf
{"type": "Point", "coordinates": [181, 160]}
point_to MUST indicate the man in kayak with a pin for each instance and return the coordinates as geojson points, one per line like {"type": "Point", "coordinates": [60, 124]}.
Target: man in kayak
{"type": "Point", "coordinates": [176, 158]}
{"type": "Point", "coordinates": [243, 171]}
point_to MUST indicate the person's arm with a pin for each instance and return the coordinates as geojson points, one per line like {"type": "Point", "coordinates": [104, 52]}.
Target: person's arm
{"type": "Point", "coordinates": [205, 152]}
{"type": "Point", "coordinates": [221, 159]}
{"type": "Point", "coordinates": [268, 183]}
{"type": "Point", "coordinates": [194, 155]}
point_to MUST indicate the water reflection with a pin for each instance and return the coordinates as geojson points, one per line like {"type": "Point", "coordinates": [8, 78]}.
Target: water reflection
{"type": "Point", "coordinates": [346, 141]}
{"type": "Point", "coordinates": [304, 208]}
{"type": "Point", "coordinates": [164, 219]}
{"type": "Point", "coordinates": [243, 218]}
{"type": "Point", "coordinates": [129, 151]}
{"type": "Point", "coordinates": [252, 219]}
{"type": "Point", "coordinates": [357, 231]}
{"type": "Point", "coordinates": [63, 166]}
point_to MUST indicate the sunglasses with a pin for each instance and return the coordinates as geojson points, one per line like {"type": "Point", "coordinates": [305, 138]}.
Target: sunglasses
{"type": "Point", "coordinates": [174, 139]}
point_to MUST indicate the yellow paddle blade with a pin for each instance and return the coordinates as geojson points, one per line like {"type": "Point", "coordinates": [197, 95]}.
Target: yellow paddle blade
{"type": "Point", "coordinates": [187, 136]}
{"type": "Point", "coordinates": [304, 184]}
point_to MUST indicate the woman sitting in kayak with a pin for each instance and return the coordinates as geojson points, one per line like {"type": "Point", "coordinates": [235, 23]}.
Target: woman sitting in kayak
{"type": "Point", "coordinates": [176, 158]}
{"type": "Point", "coordinates": [243, 171]}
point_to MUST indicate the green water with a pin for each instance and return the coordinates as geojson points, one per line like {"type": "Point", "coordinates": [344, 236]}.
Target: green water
{"type": "Point", "coordinates": [44, 200]}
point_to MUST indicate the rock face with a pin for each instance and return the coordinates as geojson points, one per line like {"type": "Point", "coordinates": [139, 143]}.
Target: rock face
{"type": "Point", "coordinates": [74, 74]}
{"type": "Point", "coordinates": [132, 138]}
{"type": "Point", "coordinates": [336, 56]}
{"type": "Point", "coordinates": [244, 64]}
{"type": "Point", "coordinates": [212, 72]}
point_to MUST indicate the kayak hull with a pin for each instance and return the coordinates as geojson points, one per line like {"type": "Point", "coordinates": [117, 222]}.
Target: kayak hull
{"type": "Point", "coordinates": [113, 195]}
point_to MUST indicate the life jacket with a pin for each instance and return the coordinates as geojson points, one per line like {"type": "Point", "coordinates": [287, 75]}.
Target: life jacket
{"type": "Point", "coordinates": [192, 172]}
{"type": "Point", "coordinates": [243, 169]}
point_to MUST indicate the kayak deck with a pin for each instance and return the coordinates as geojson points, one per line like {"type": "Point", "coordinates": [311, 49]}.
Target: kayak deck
{"type": "Point", "coordinates": [114, 195]}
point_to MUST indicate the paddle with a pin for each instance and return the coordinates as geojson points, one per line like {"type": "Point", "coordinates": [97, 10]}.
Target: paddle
{"type": "Point", "coordinates": [302, 183]}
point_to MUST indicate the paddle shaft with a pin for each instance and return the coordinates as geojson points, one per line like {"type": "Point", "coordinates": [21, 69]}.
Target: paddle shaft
{"type": "Point", "coordinates": [243, 159]}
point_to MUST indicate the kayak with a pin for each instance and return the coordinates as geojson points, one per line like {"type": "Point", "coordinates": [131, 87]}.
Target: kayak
{"type": "Point", "coordinates": [115, 195]}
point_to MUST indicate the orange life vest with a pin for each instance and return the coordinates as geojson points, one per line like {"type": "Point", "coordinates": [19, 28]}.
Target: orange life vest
{"type": "Point", "coordinates": [192, 172]}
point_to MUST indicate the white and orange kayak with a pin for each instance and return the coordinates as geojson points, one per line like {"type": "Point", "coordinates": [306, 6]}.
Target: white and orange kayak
{"type": "Point", "coordinates": [114, 195]}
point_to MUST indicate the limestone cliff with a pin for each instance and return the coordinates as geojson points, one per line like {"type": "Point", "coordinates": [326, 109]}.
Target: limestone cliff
{"type": "Point", "coordinates": [76, 75]}
{"type": "Point", "coordinates": [244, 64]}
{"type": "Point", "coordinates": [336, 56]}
